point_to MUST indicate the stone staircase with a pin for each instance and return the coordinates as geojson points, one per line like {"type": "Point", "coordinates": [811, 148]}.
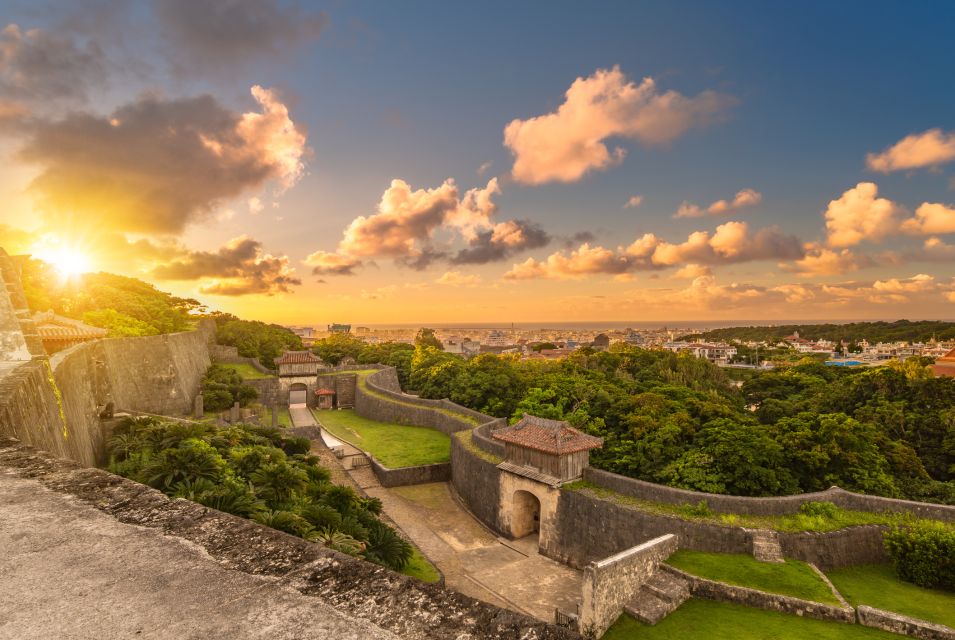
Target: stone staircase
{"type": "Point", "coordinates": [766, 546]}
{"type": "Point", "coordinates": [659, 597]}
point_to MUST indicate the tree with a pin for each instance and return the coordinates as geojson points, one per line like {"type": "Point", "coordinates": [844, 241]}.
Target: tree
{"type": "Point", "coordinates": [426, 338]}
{"type": "Point", "coordinates": [337, 347]}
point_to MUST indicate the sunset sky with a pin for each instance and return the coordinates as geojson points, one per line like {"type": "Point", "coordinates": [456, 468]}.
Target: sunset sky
{"type": "Point", "coordinates": [388, 162]}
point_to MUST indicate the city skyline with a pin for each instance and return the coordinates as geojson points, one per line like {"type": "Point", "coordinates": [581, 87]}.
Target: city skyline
{"type": "Point", "coordinates": [390, 165]}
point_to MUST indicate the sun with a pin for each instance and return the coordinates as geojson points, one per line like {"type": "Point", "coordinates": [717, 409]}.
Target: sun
{"type": "Point", "coordinates": [68, 261]}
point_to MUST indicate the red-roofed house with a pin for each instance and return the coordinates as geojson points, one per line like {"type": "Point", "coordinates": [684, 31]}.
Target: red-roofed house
{"type": "Point", "coordinates": [298, 363]}
{"type": "Point", "coordinates": [58, 333]}
{"type": "Point", "coordinates": [550, 451]}
{"type": "Point", "coordinates": [945, 366]}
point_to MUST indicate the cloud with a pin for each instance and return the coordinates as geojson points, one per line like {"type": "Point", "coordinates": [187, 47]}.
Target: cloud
{"type": "Point", "coordinates": [239, 268]}
{"type": "Point", "coordinates": [731, 242]}
{"type": "Point", "coordinates": [692, 271]}
{"type": "Point", "coordinates": [566, 144]}
{"type": "Point", "coordinates": [931, 218]}
{"type": "Point", "coordinates": [407, 220]}
{"type": "Point", "coordinates": [40, 66]}
{"type": "Point", "coordinates": [821, 261]}
{"type": "Point", "coordinates": [858, 215]}
{"type": "Point", "coordinates": [255, 205]}
{"type": "Point", "coordinates": [155, 165]}
{"type": "Point", "coordinates": [633, 202]}
{"type": "Point", "coordinates": [212, 35]}
{"type": "Point", "coordinates": [325, 263]}
{"type": "Point", "coordinates": [927, 149]}
{"type": "Point", "coordinates": [458, 279]}
{"type": "Point", "coordinates": [484, 168]}
{"type": "Point", "coordinates": [501, 242]}
{"type": "Point", "coordinates": [743, 199]}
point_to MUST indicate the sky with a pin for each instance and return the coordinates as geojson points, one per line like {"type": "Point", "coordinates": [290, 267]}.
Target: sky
{"type": "Point", "coordinates": [433, 162]}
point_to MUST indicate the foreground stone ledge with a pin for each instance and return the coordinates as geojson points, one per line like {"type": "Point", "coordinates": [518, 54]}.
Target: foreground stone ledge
{"type": "Point", "coordinates": [400, 604]}
{"type": "Point", "coordinates": [897, 623]}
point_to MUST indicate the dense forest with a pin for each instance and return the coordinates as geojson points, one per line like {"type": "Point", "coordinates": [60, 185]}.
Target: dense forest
{"type": "Point", "coordinates": [124, 306]}
{"type": "Point", "coordinates": [258, 473]}
{"type": "Point", "coordinates": [677, 420]}
{"type": "Point", "coordinates": [854, 332]}
{"type": "Point", "coordinates": [255, 339]}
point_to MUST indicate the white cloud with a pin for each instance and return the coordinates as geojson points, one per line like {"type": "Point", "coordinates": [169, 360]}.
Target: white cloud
{"type": "Point", "coordinates": [859, 215]}
{"type": "Point", "coordinates": [931, 218]}
{"type": "Point", "coordinates": [255, 205]}
{"type": "Point", "coordinates": [458, 279]}
{"type": "Point", "coordinates": [692, 271]}
{"type": "Point", "coordinates": [743, 199]}
{"type": "Point", "coordinates": [927, 149]}
{"type": "Point", "coordinates": [633, 202]}
{"type": "Point", "coordinates": [566, 144]}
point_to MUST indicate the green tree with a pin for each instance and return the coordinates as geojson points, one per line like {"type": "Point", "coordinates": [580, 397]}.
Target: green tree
{"type": "Point", "coordinates": [426, 338]}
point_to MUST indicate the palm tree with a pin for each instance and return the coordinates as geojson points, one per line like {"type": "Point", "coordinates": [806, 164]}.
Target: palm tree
{"type": "Point", "coordinates": [387, 548]}
{"type": "Point", "coordinates": [277, 481]}
{"type": "Point", "coordinates": [338, 541]}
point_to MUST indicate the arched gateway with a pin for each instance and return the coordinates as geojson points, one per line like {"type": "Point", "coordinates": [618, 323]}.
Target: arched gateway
{"type": "Point", "coordinates": [539, 456]}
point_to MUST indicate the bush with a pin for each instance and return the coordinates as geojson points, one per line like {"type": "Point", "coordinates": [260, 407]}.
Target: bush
{"type": "Point", "coordinates": [924, 554]}
{"type": "Point", "coordinates": [819, 509]}
{"type": "Point", "coordinates": [699, 510]}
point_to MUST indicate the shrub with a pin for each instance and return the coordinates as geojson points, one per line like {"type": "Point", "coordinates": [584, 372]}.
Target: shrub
{"type": "Point", "coordinates": [819, 509]}
{"type": "Point", "coordinates": [924, 554]}
{"type": "Point", "coordinates": [698, 510]}
{"type": "Point", "coordinates": [216, 399]}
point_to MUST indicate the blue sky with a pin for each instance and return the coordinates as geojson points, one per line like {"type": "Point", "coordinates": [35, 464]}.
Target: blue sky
{"type": "Point", "coordinates": [422, 92]}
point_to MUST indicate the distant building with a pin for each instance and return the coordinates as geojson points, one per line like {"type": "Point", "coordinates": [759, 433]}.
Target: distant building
{"type": "Point", "coordinates": [945, 366]}
{"type": "Point", "coordinates": [339, 328]}
{"type": "Point", "coordinates": [601, 342]}
{"type": "Point", "coordinates": [58, 332]}
{"type": "Point", "coordinates": [497, 338]}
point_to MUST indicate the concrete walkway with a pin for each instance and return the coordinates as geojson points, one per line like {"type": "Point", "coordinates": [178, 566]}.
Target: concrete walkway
{"type": "Point", "coordinates": [474, 561]}
{"type": "Point", "coordinates": [71, 571]}
{"type": "Point", "coordinates": [301, 416]}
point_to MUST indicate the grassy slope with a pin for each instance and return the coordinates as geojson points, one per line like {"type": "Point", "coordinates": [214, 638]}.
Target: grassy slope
{"type": "Point", "coordinates": [877, 586]}
{"type": "Point", "coordinates": [393, 445]}
{"type": "Point", "coordinates": [245, 370]}
{"type": "Point", "coordinates": [419, 567]}
{"type": "Point", "coordinates": [707, 620]}
{"type": "Point", "coordinates": [793, 578]}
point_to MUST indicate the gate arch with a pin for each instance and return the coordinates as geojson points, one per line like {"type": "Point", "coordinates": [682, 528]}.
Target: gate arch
{"type": "Point", "coordinates": [298, 393]}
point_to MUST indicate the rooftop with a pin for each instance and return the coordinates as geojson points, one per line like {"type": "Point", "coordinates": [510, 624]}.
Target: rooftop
{"type": "Point", "coordinates": [324, 392]}
{"type": "Point", "coordinates": [50, 326]}
{"type": "Point", "coordinates": [298, 357]}
{"type": "Point", "coordinates": [556, 437]}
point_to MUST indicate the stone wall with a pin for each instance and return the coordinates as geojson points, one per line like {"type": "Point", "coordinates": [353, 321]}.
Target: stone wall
{"type": "Point", "coordinates": [476, 481]}
{"type": "Point", "coordinates": [897, 623]}
{"type": "Point", "coordinates": [835, 549]}
{"type": "Point", "coordinates": [55, 404]}
{"type": "Point", "coordinates": [377, 400]}
{"type": "Point", "coordinates": [611, 583]}
{"type": "Point", "coordinates": [722, 592]}
{"type": "Point", "coordinates": [440, 472]}
{"type": "Point", "coordinates": [782, 505]}
{"type": "Point", "coordinates": [407, 607]}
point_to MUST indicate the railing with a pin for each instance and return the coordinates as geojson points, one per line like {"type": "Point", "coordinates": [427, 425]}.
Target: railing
{"type": "Point", "coordinates": [566, 620]}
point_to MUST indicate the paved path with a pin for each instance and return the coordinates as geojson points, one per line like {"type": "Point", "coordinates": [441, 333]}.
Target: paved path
{"type": "Point", "coordinates": [71, 571]}
{"type": "Point", "coordinates": [473, 560]}
{"type": "Point", "coordinates": [301, 416]}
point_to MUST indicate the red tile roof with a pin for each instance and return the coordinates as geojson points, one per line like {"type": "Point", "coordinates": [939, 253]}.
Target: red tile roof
{"type": "Point", "coordinates": [556, 437]}
{"type": "Point", "coordinates": [324, 392]}
{"type": "Point", "coordinates": [298, 357]}
{"type": "Point", "coordinates": [52, 327]}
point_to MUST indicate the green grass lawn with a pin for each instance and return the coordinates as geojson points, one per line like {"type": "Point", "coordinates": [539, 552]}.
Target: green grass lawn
{"type": "Point", "coordinates": [419, 567]}
{"type": "Point", "coordinates": [792, 578]}
{"type": "Point", "coordinates": [285, 420]}
{"type": "Point", "coordinates": [245, 370]}
{"type": "Point", "coordinates": [877, 586]}
{"type": "Point", "coordinates": [708, 620]}
{"type": "Point", "coordinates": [394, 445]}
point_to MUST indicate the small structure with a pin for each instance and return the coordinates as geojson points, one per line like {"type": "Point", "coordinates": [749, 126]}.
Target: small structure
{"type": "Point", "coordinates": [945, 366]}
{"type": "Point", "coordinates": [601, 342]}
{"type": "Point", "coordinates": [325, 398]}
{"type": "Point", "coordinates": [339, 328]}
{"type": "Point", "coordinates": [298, 363]}
{"type": "Point", "coordinates": [58, 332]}
{"type": "Point", "coordinates": [549, 451]}
{"type": "Point", "coordinates": [539, 456]}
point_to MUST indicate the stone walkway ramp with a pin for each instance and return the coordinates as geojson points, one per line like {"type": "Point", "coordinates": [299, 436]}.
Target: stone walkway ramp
{"type": "Point", "coordinates": [473, 560]}
{"type": "Point", "coordinates": [72, 571]}
{"type": "Point", "coordinates": [301, 416]}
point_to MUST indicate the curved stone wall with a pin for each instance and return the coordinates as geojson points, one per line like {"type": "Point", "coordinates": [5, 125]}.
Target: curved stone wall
{"type": "Point", "coordinates": [54, 404]}
{"type": "Point", "coordinates": [782, 505]}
